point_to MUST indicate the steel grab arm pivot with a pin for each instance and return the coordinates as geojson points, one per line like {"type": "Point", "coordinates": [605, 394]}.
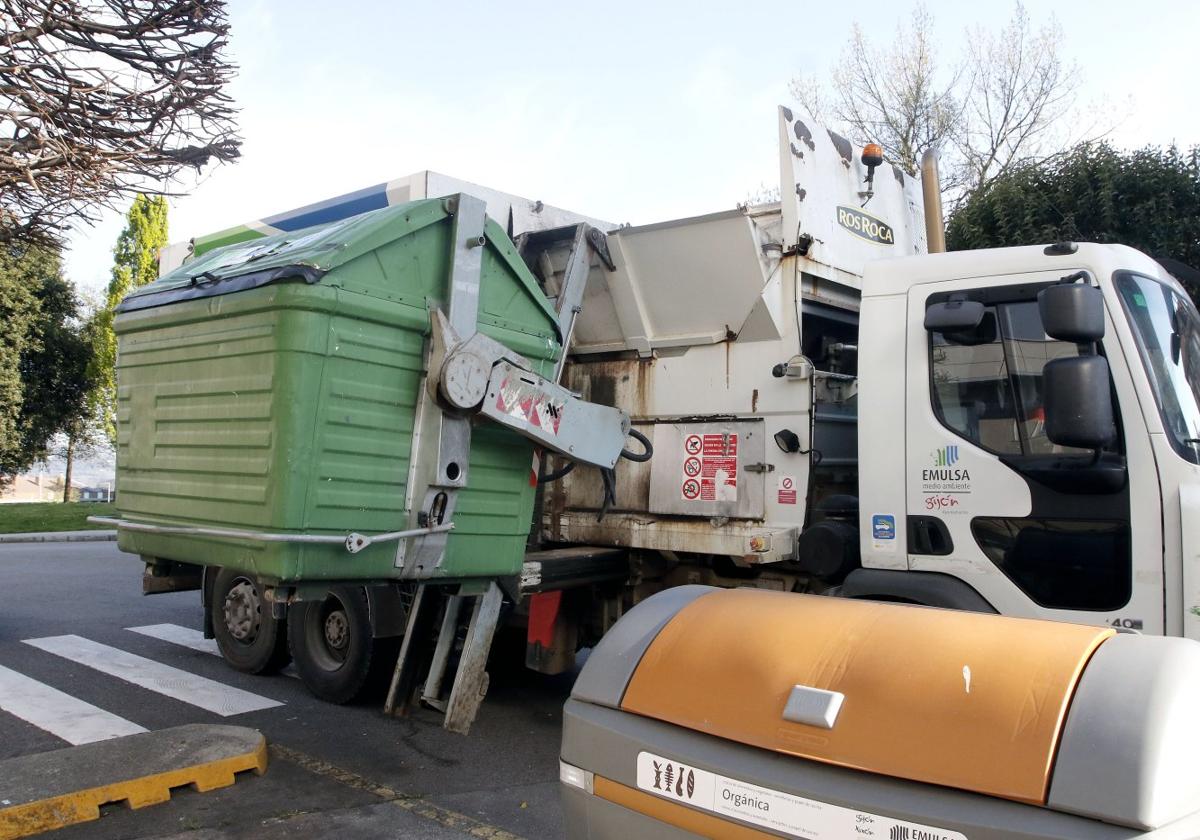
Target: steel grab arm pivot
{"type": "Point", "coordinates": [481, 375]}
{"type": "Point", "coordinates": [470, 374]}
{"type": "Point", "coordinates": [555, 418]}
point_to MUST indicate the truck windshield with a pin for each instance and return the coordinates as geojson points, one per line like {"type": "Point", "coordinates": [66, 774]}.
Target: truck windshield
{"type": "Point", "coordinates": [1168, 334]}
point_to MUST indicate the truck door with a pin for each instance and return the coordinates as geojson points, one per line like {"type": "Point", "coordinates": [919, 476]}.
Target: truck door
{"type": "Point", "coordinates": [1027, 523]}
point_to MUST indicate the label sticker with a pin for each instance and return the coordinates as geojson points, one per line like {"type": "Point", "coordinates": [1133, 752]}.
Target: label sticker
{"type": "Point", "coordinates": [786, 494]}
{"type": "Point", "coordinates": [794, 816]}
{"type": "Point", "coordinates": [710, 468]}
{"type": "Point", "coordinates": [883, 532]}
{"type": "Point", "coordinates": [526, 401]}
{"type": "Point", "coordinates": [865, 226]}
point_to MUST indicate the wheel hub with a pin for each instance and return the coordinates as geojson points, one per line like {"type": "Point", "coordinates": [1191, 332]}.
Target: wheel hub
{"type": "Point", "coordinates": [337, 630]}
{"type": "Point", "coordinates": [242, 611]}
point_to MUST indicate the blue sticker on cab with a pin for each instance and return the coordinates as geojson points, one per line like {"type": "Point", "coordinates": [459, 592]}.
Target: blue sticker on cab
{"type": "Point", "coordinates": [883, 526]}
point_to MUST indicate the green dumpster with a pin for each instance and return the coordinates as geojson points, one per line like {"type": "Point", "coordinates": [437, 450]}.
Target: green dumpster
{"type": "Point", "coordinates": [270, 387]}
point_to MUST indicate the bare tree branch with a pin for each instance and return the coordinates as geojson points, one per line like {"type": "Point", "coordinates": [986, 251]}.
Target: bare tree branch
{"type": "Point", "coordinates": [897, 96]}
{"type": "Point", "coordinates": [1022, 93]}
{"type": "Point", "coordinates": [1010, 100]}
{"type": "Point", "coordinates": [100, 99]}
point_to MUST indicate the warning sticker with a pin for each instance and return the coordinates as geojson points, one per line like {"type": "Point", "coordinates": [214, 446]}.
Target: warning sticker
{"type": "Point", "coordinates": [792, 816]}
{"type": "Point", "coordinates": [710, 467]}
{"type": "Point", "coordinates": [526, 401]}
{"type": "Point", "coordinates": [786, 494]}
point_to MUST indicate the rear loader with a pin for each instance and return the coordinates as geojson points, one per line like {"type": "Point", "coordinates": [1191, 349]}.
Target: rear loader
{"type": "Point", "coordinates": [356, 431]}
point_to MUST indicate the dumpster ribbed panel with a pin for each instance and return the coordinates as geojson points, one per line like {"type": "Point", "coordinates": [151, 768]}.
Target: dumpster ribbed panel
{"type": "Point", "coordinates": [364, 436]}
{"type": "Point", "coordinates": [226, 338]}
{"type": "Point", "coordinates": [494, 504]}
{"type": "Point", "coordinates": [205, 422]}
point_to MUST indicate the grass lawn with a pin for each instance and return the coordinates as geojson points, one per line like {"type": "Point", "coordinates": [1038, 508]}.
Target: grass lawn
{"type": "Point", "coordinates": [71, 516]}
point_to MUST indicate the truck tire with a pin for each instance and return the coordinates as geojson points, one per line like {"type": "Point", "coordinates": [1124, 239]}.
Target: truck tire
{"type": "Point", "coordinates": [332, 643]}
{"type": "Point", "coordinates": [248, 638]}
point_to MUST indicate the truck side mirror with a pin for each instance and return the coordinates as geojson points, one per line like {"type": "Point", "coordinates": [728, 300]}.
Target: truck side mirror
{"type": "Point", "coordinates": [1078, 402]}
{"type": "Point", "coordinates": [1072, 312]}
{"type": "Point", "coordinates": [953, 316]}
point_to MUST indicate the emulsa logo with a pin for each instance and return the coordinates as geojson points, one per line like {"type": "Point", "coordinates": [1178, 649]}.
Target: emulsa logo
{"type": "Point", "coordinates": [944, 458]}
{"type": "Point", "coordinates": [905, 832]}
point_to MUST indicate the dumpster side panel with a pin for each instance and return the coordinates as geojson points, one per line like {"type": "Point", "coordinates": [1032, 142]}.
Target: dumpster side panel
{"type": "Point", "coordinates": [213, 418]}
{"type": "Point", "coordinates": [206, 403]}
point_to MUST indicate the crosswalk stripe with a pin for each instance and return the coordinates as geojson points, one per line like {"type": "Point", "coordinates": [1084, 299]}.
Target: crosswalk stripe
{"type": "Point", "coordinates": [194, 639]}
{"type": "Point", "coordinates": [198, 691]}
{"type": "Point", "coordinates": [176, 635]}
{"type": "Point", "coordinates": [62, 715]}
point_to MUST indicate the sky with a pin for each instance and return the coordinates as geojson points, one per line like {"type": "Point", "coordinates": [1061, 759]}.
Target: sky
{"type": "Point", "coordinates": [625, 111]}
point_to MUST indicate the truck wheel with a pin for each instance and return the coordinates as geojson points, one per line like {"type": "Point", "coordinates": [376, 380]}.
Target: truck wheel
{"type": "Point", "coordinates": [249, 639]}
{"type": "Point", "coordinates": [332, 644]}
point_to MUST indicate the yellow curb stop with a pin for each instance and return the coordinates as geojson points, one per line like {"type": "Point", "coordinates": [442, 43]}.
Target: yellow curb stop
{"type": "Point", "coordinates": [59, 788]}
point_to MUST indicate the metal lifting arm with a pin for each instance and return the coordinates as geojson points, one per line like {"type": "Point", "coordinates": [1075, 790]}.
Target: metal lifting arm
{"type": "Point", "coordinates": [467, 375]}
{"type": "Point", "coordinates": [470, 374]}
{"type": "Point", "coordinates": [479, 375]}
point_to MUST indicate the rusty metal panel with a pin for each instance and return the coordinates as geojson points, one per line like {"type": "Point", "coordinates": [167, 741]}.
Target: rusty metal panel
{"type": "Point", "coordinates": [825, 201]}
{"type": "Point", "coordinates": [709, 469]}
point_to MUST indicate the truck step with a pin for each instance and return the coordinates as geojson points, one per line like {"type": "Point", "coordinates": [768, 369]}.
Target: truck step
{"type": "Point", "coordinates": [572, 566]}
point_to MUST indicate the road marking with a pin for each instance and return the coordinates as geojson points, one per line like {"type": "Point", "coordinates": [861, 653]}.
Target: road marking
{"type": "Point", "coordinates": [194, 639]}
{"type": "Point", "coordinates": [211, 695]}
{"type": "Point", "coordinates": [62, 715]}
{"type": "Point", "coordinates": [176, 635]}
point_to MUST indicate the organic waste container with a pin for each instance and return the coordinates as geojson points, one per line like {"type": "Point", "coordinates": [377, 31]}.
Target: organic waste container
{"type": "Point", "coordinates": [748, 713]}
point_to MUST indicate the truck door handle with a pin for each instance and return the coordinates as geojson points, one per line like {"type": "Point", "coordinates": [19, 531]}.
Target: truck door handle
{"type": "Point", "coordinates": [928, 535]}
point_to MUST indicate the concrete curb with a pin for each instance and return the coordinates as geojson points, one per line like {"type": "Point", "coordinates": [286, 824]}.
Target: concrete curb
{"type": "Point", "coordinates": [58, 788]}
{"type": "Point", "coordinates": [60, 536]}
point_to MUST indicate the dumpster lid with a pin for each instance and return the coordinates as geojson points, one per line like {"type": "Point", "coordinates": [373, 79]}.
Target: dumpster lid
{"type": "Point", "coordinates": [930, 695]}
{"type": "Point", "coordinates": [307, 255]}
{"type": "Point", "coordinates": [1068, 717]}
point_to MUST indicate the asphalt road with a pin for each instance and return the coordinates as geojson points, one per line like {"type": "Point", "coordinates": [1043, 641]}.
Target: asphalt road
{"type": "Point", "coordinates": [347, 771]}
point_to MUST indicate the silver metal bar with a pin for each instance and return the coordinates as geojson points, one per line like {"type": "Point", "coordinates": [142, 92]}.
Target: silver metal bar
{"type": "Point", "coordinates": [466, 264]}
{"type": "Point", "coordinates": [406, 652]}
{"type": "Point", "coordinates": [443, 458]}
{"type": "Point", "coordinates": [570, 296]}
{"type": "Point", "coordinates": [441, 653]}
{"type": "Point", "coordinates": [471, 681]}
{"type": "Point", "coordinates": [354, 542]}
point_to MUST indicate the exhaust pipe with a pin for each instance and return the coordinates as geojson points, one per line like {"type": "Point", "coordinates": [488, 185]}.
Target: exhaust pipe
{"type": "Point", "coordinates": [931, 191]}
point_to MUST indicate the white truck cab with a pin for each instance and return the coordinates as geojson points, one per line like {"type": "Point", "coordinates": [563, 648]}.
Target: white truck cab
{"type": "Point", "coordinates": [990, 469]}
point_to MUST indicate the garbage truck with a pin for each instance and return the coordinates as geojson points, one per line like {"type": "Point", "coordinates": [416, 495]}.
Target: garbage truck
{"type": "Point", "coordinates": [794, 396]}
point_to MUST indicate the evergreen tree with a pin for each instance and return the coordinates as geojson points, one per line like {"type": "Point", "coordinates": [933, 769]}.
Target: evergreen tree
{"type": "Point", "coordinates": [18, 310]}
{"type": "Point", "coordinates": [43, 356]}
{"type": "Point", "coordinates": [1148, 199]}
{"type": "Point", "coordinates": [136, 264]}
